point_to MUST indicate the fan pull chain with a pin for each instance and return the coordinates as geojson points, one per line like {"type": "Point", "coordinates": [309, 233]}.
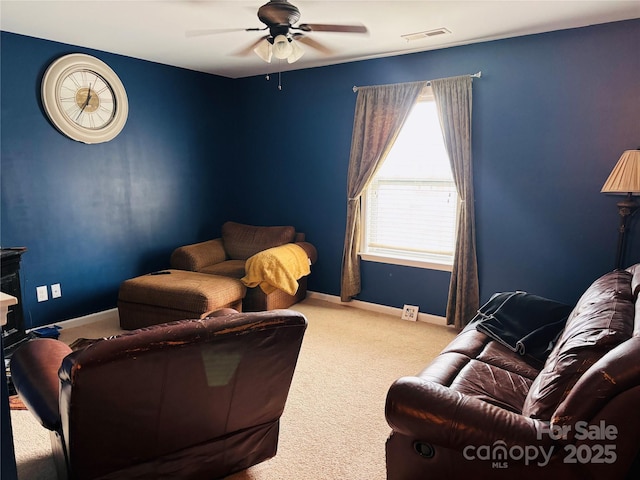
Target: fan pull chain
{"type": "Point", "coordinates": [268, 77]}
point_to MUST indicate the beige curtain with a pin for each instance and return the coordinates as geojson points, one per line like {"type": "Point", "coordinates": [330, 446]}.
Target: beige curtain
{"type": "Point", "coordinates": [380, 113]}
{"type": "Point", "coordinates": [453, 100]}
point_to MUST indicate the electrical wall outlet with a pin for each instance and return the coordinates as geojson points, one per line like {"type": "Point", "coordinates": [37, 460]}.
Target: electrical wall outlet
{"type": "Point", "coordinates": [42, 293]}
{"type": "Point", "coordinates": [410, 312]}
{"type": "Point", "coordinates": [56, 292]}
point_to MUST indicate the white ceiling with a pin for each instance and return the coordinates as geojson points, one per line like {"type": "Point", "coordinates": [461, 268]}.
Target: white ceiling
{"type": "Point", "coordinates": [156, 30]}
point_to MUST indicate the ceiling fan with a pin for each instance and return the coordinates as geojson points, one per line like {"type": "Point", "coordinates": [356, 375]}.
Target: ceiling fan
{"type": "Point", "coordinates": [280, 16]}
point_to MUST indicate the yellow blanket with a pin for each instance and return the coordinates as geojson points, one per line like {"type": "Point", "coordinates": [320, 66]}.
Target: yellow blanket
{"type": "Point", "coordinates": [277, 268]}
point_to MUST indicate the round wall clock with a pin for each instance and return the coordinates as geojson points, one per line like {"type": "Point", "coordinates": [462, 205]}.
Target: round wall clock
{"type": "Point", "coordinates": [84, 98]}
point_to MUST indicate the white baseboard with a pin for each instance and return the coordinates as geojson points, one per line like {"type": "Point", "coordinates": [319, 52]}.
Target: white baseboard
{"type": "Point", "coordinates": [112, 314]}
{"type": "Point", "coordinates": [375, 307]}
{"type": "Point", "coordinates": [105, 315]}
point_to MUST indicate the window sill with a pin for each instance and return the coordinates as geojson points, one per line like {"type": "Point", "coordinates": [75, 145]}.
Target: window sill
{"type": "Point", "coordinates": [407, 262]}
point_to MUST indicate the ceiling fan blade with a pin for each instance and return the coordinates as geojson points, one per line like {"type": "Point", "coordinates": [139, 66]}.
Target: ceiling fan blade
{"type": "Point", "coordinates": [323, 27]}
{"type": "Point", "coordinates": [249, 48]}
{"type": "Point", "coordinates": [313, 43]}
{"type": "Point", "coordinates": [212, 31]}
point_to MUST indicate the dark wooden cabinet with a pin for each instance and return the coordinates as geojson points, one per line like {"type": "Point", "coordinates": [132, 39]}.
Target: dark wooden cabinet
{"type": "Point", "coordinates": [14, 331]}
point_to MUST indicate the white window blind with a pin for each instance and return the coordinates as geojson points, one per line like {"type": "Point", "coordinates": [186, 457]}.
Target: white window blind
{"type": "Point", "coordinates": [411, 204]}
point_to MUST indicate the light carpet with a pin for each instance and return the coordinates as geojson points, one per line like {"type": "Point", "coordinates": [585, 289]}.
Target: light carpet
{"type": "Point", "coordinates": [333, 426]}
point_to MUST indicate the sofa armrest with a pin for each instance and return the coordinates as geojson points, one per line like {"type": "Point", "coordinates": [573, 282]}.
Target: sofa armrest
{"type": "Point", "coordinates": [198, 255]}
{"type": "Point", "coordinates": [311, 251]}
{"type": "Point", "coordinates": [433, 413]}
{"type": "Point", "coordinates": [616, 372]}
{"type": "Point", "coordinates": [34, 372]}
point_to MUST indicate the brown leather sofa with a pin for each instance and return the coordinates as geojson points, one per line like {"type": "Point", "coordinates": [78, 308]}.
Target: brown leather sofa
{"type": "Point", "coordinates": [228, 255]}
{"type": "Point", "coordinates": [481, 410]}
{"type": "Point", "coordinates": [193, 399]}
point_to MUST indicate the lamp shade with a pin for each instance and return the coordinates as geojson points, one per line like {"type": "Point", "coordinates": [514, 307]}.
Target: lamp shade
{"type": "Point", "coordinates": [281, 47]}
{"type": "Point", "coordinates": [296, 52]}
{"type": "Point", "coordinates": [264, 50]}
{"type": "Point", "coordinates": [625, 176]}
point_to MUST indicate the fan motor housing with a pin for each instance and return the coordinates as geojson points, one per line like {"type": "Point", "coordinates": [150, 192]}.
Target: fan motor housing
{"type": "Point", "coordinates": [278, 15]}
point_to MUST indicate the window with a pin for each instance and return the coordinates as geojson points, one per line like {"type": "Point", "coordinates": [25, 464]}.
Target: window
{"type": "Point", "coordinates": [410, 206]}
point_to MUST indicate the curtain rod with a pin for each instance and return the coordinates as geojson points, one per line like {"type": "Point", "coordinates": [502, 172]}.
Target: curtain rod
{"type": "Point", "coordinates": [472, 75]}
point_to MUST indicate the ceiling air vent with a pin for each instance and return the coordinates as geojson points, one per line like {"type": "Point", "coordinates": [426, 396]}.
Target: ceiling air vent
{"type": "Point", "coordinates": [429, 33]}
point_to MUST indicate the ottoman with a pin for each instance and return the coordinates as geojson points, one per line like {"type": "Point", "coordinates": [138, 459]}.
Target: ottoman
{"type": "Point", "coordinates": [170, 295]}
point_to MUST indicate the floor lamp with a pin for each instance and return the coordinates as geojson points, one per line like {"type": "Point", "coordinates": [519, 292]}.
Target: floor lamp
{"type": "Point", "coordinates": [624, 180]}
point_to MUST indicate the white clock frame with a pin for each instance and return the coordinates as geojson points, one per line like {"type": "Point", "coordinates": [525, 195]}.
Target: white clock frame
{"type": "Point", "coordinates": [51, 82]}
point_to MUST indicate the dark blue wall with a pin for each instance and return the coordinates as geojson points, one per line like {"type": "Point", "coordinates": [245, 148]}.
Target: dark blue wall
{"type": "Point", "coordinates": [552, 114]}
{"type": "Point", "coordinates": [94, 215]}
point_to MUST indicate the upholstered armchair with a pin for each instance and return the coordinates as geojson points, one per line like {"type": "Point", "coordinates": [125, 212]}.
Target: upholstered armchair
{"type": "Point", "coordinates": [182, 400]}
{"type": "Point", "coordinates": [229, 256]}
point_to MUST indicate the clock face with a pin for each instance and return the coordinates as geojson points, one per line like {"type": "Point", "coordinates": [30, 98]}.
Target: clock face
{"type": "Point", "coordinates": [84, 98]}
{"type": "Point", "coordinates": [87, 99]}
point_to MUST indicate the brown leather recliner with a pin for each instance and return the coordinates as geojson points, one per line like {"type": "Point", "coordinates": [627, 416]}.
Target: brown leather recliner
{"type": "Point", "coordinates": [481, 410]}
{"type": "Point", "coordinates": [193, 399]}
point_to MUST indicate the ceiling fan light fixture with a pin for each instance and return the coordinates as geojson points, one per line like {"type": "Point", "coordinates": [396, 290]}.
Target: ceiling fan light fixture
{"type": "Point", "coordinates": [296, 52]}
{"type": "Point", "coordinates": [264, 50]}
{"type": "Point", "coordinates": [282, 47]}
